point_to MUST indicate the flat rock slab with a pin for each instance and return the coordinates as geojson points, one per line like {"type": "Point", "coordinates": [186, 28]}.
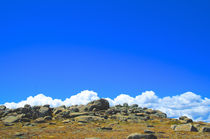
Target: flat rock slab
{"type": "Point", "coordinates": [11, 119]}
{"type": "Point", "coordinates": [185, 127]}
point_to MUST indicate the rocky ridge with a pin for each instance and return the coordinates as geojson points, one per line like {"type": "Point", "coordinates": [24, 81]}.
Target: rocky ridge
{"type": "Point", "coordinates": [96, 111]}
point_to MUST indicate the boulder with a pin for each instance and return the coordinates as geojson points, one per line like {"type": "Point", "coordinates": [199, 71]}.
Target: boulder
{"type": "Point", "coordinates": [66, 121]}
{"type": "Point", "coordinates": [185, 119]}
{"type": "Point", "coordinates": [205, 129]}
{"type": "Point", "coordinates": [2, 108]}
{"type": "Point", "coordinates": [185, 127]}
{"type": "Point", "coordinates": [45, 111]}
{"type": "Point", "coordinates": [141, 136]}
{"type": "Point", "coordinates": [125, 105]}
{"type": "Point", "coordinates": [40, 120]}
{"type": "Point", "coordinates": [47, 118]}
{"type": "Point", "coordinates": [63, 114]}
{"type": "Point", "coordinates": [86, 119]}
{"type": "Point", "coordinates": [149, 131]}
{"type": "Point", "coordinates": [101, 104]}
{"type": "Point", "coordinates": [76, 114]}
{"type": "Point", "coordinates": [11, 119]}
{"type": "Point", "coordinates": [134, 106]}
{"type": "Point", "coordinates": [105, 128]}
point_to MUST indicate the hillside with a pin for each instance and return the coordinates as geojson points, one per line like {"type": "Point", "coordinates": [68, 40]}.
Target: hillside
{"type": "Point", "coordinates": [96, 120]}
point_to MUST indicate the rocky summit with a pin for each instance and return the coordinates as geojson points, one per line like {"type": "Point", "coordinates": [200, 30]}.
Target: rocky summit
{"type": "Point", "coordinates": [96, 120]}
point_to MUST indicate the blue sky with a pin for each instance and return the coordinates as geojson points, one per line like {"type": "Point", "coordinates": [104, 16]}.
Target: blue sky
{"type": "Point", "coordinates": [60, 48]}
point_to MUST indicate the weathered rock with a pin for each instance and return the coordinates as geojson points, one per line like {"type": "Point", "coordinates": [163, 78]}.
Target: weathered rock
{"type": "Point", "coordinates": [185, 127]}
{"type": "Point", "coordinates": [182, 117]}
{"type": "Point", "coordinates": [45, 111]}
{"type": "Point", "coordinates": [125, 105]}
{"type": "Point", "coordinates": [46, 118]}
{"type": "Point", "coordinates": [8, 124]}
{"type": "Point", "coordinates": [57, 111]}
{"type": "Point", "coordinates": [27, 106]}
{"type": "Point", "coordinates": [40, 120]}
{"type": "Point", "coordinates": [101, 104]}
{"type": "Point", "coordinates": [66, 121]}
{"type": "Point", "coordinates": [149, 131]}
{"type": "Point", "coordinates": [141, 136]}
{"type": "Point", "coordinates": [2, 107]}
{"type": "Point", "coordinates": [134, 106]}
{"type": "Point", "coordinates": [11, 119]}
{"type": "Point", "coordinates": [18, 134]}
{"type": "Point", "coordinates": [185, 119]}
{"type": "Point", "coordinates": [160, 114]}
{"type": "Point", "coordinates": [74, 109]}
{"type": "Point", "coordinates": [112, 111]}
{"type": "Point", "coordinates": [205, 129]}
{"type": "Point", "coordinates": [25, 120]}
{"type": "Point", "coordinates": [105, 128]}
{"type": "Point", "coordinates": [73, 115]}
{"type": "Point", "coordinates": [85, 119]}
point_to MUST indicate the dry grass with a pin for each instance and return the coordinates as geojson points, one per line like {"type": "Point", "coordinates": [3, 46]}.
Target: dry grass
{"type": "Point", "coordinates": [75, 130]}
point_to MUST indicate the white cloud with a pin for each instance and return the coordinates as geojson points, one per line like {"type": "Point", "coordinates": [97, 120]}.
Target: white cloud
{"type": "Point", "coordinates": [189, 104]}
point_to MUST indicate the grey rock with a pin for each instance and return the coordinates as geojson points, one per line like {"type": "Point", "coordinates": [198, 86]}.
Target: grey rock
{"type": "Point", "coordinates": [2, 107]}
{"type": "Point", "coordinates": [40, 120]}
{"type": "Point", "coordinates": [134, 106]}
{"type": "Point", "coordinates": [125, 105]}
{"type": "Point", "coordinates": [8, 124]}
{"type": "Point", "coordinates": [45, 111]}
{"type": "Point", "coordinates": [11, 119]}
{"type": "Point", "coordinates": [101, 104]}
{"type": "Point", "coordinates": [73, 115]}
{"type": "Point", "coordinates": [18, 134]}
{"type": "Point", "coordinates": [141, 136]}
{"type": "Point", "coordinates": [106, 128]}
{"type": "Point", "coordinates": [148, 131]}
{"type": "Point", "coordinates": [186, 119]}
{"type": "Point", "coordinates": [47, 105]}
{"type": "Point", "coordinates": [27, 106]}
{"type": "Point", "coordinates": [185, 127]}
{"type": "Point", "coordinates": [46, 118]}
{"type": "Point", "coordinates": [205, 129]}
{"type": "Point", "coordinates": [85, 119]}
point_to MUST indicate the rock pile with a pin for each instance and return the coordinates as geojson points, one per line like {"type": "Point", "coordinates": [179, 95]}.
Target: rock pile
{"type": "Point", "coordinates": [93, 111]}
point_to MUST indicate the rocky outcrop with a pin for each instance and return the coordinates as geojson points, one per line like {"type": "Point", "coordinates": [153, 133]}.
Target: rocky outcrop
{"type": "Point", "coordinates": [93, 111]}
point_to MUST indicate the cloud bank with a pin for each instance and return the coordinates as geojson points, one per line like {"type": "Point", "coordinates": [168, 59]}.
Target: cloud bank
{"type": "Point", "coordinates": [189, 104]}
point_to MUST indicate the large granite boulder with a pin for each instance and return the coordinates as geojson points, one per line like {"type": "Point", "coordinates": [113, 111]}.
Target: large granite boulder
{"type": "Point", "coordinates": [101, 104]}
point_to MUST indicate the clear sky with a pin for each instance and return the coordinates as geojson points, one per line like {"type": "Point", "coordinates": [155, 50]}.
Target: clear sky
{"type": "Point", "coordinates": [60, 48]}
